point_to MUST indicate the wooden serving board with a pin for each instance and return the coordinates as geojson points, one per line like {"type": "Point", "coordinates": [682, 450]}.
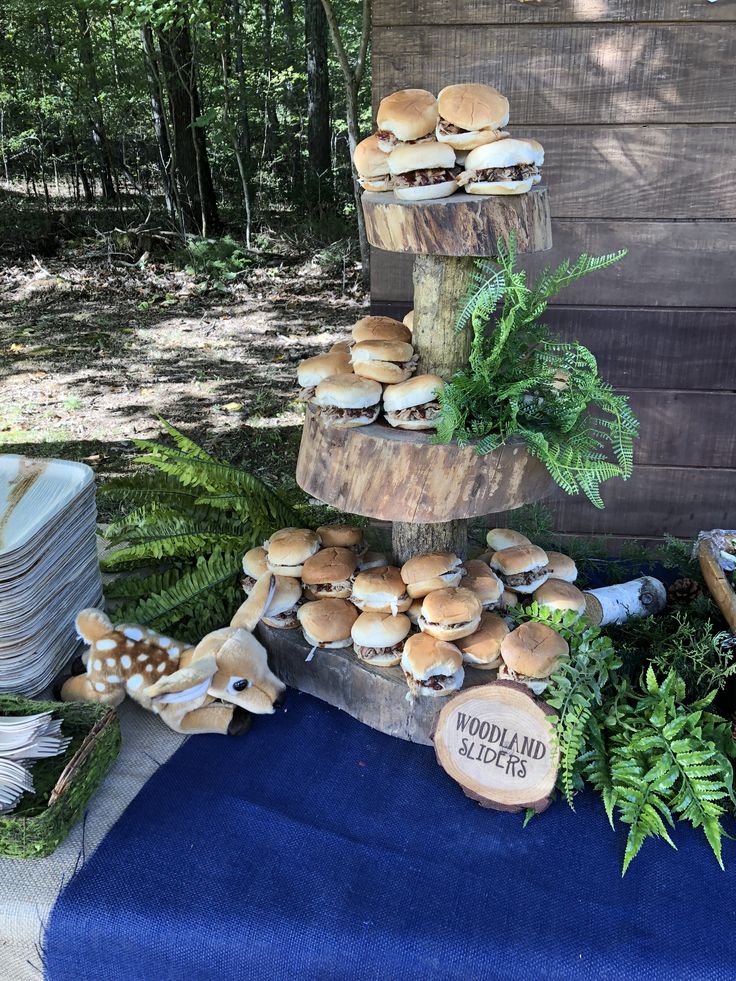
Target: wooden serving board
{"type": "Point", "coordinates": [374, 696]}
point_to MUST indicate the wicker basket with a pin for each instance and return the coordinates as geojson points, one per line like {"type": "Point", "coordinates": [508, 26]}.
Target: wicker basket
{"type": "Point", "coordinates": [64, 784]}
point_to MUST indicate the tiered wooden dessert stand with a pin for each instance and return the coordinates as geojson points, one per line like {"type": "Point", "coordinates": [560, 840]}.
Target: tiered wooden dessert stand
{"type": "Point", "coordinates": [428, 491]}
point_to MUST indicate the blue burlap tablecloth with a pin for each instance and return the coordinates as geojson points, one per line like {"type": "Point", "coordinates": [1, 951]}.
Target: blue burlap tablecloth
{"type": "Point", "coordinates": [317, 848]}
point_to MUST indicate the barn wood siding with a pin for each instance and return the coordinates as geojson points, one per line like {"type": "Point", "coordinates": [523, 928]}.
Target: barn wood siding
{"type": "Point", "coordinates": [635, 104]}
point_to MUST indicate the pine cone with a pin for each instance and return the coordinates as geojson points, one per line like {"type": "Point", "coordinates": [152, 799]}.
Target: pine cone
{"type": "Point", "coordinates": [683, 591]}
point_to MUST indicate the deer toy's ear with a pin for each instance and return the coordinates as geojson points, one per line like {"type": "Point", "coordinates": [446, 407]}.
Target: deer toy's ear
{"type": "Point", "coordinates": [93, 624]}
{"type": "Point", "coordinates": [257, 603]}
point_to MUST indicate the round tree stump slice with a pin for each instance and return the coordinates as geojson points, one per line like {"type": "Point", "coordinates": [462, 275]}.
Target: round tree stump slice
{"type": "Point", "coordinates": [497, 741]}
{"type": "Point", "coordinates": [400, 475]}
{"type": "Point", "coordinates": [461, 225]}
{"type": "Point", "coordinates": [374, 696]}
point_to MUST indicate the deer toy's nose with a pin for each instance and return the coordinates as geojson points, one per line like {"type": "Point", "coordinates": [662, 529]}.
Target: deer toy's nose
{"type": "Point", "coordinates": [280, 701]}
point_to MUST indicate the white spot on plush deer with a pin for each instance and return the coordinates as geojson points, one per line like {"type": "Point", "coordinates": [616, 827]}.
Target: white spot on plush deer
{"type": "Point", "coordinates": [213, 687]}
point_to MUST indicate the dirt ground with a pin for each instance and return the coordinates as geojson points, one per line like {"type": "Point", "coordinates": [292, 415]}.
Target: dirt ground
{"type": "Point", "coordinates": [91, 354]}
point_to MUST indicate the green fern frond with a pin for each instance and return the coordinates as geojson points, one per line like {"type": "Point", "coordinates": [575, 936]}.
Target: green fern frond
{"type": "Point", "coordinates": [148, 489]}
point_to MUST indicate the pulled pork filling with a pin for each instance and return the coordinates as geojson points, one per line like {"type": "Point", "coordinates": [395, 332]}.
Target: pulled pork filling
{"type": "Point", "coordinates": [335, 412]}
{"type": "Point", "coordinates": [430, 410]}
{"type": "Point", "coordinates": [386, 136]}
{"type": "Point", "coordinates": [423, 178]}
{"type": "Point", "coordinates": [520, 173]}
{"type": "Point", "coordinates": [329, 587]}
{"type": "Point", "coordinates": [437, 682]}
{"type": "Point", "coordinates": [380, 179]}
{"type": "Point", "coordinates": [367, 652]}
{"type": "Point", "coordinates": [288, 617]}
{"type": "Point", "coordinates": [447, 626]}
{"type": "Point", "coordinates": [449, 129]}
{"type": "Point", "coordinates": [523, 578]}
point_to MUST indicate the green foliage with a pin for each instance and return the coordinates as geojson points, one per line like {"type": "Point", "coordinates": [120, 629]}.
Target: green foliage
{"type": "Point", "coordinates": [220, 259]}
{"type": "Point", "coordinates": [521, 384]}
{"type": "Point", "coordinates": [191, 523]}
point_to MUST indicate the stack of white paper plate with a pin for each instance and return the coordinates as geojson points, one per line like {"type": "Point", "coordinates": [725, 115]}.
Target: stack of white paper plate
{"type": "Point", "coordinates": [48, 566]}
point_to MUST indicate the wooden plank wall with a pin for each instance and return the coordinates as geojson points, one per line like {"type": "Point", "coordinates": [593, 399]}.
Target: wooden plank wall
{"type": "Point", "coordinates": [635, 103]}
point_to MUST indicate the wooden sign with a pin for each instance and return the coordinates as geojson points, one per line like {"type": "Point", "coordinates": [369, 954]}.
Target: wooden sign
{"type": "Point", "coordinates": [497, 742]}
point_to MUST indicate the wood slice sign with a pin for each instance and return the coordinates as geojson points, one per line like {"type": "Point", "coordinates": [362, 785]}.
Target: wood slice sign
{"type": "Point", "coordinates": [497, 741]}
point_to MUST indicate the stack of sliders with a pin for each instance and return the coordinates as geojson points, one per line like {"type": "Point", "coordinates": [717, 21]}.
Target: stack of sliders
{"type": "Point", "coordinates": [425, 140]}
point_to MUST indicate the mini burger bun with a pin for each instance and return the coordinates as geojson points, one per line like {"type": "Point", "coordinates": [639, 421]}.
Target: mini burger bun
{"type": "Point", "coordinates": [286, 594]}
{"type": "Point", "coordinates": [415, 611]}
{"type": "Point", "coordinates": [484, 582]}
{"type": "Point", "coordinates": [409, 114]}
{"type": "Point", "coordinates": [520, 152]}
{"type": "Point", "coordinates": [381, 329]}
{"type": "Point", "coordinates": [409, 320]}
{"type": "Point", "coordinates": [254, 562]}
{"type": "Point", "coordinates": [327, 622]}
{"type": "Point", "coordinates": [534, 650]}
{"type": "Point", "coordinates": [421, 156]}
{"type": "Point", "coordinates": [483, 648]}
{"type": "Point", "coordinates": [425, 657]}
{"type": "Point", "coordinates": [425, 573]}
{"type": "Point", "coordinates": [556, 594]}
{"type": "Point", "coordinates": [382, 361]}
{"type": "Point", "coordinates": [330, 565]}
{"type": "Point", "coordinates": [479, 109]}
{"type": "Point", "coordinates": [415, 391]}
{"type": "Point", "coordinates": [561, 566]}
{"type": "Point", "coordinates": [381, 591]}
{"type": "Point", "coordinates": [498, 538]}
{"type": "Point", "coordinates": [369, 159]}
{"type": "Point", "coordinates": [380, 629]}
{"type": "Point", "coordinates": [312, 371]}
{"type": "Point", "coordinates": [288, 553]}
{"type": "Point", "coordinates": [349, 392]}
{"type": "Point", "coordinates": [341, 536]}
{"type": "Point", "coordinates": [517, 559]}
{"type": "Point", "coordinates": [450, 613]}
{"type": "Point", "coordinates": [430, 193]}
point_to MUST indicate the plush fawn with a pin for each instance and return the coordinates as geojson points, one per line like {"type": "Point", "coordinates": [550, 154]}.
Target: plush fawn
{"type": "Point", "coordinates": [213, 687]}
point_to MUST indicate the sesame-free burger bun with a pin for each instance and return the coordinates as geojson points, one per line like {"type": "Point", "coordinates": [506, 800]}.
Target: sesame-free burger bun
{"type": "Point", "coordinates": [287, 554]}
{"type": "Point", "coordinates": [501, 155]}
{"type": "Point", "coordinates": [556, 594]}
{"type": "Point", "coordinates": [409, 320]}
{"type": "Point", "coordinates": [281, 612]}
{"type": "Point", "coordinates": [432, 667]}
{"type": "Point", "coordinates": [341, 536]}
{"type": "Point", "coordinates": [327, 622]}
{"type": "Point", "coordinates": [484, 582]}
{"type": "Point", "coordinates": [348, 392]}
{"type": "Point", "coordinates": [254, 564]}
{"type": "Point", "coordinates": [561, 566]}
{"type": "Point", "coordinates": [423, 156]}
{"type": "Point", "coordinates": [378, 638]}
{"type": "Point", "coordinates": [381, 591]}
{"type": "Point", "coordinates": [312, 371]}
{"type": "Point", "coordinates": [329, 573]}
{"type": "Point", "coordinates": [415, 611]}
{"type": "Point", "coordinates": [498, 538]}
{"type": "Point", "coordinates": [480, 110]}
{"type": "Point", "coordinates": [534, 650]}
{"type": "Point", "coordinates": [386, 362]}
{"type": "Point", "coordinates": [425, 573]}
{"type": "Point", "coordinates": [381, 329]}
{"type": "Point", "coordinates": [483, 648]}
{"type": "Point", "coordinates": [521, 567]}
{"type": "Point", "coordinates": [450, 613]}
{"type": "Point", "coordinates": [372, 166]}
{"type": "Point", "coordinates": [408, 114]}
{"type": "Point", "coordinates": [414, 394]}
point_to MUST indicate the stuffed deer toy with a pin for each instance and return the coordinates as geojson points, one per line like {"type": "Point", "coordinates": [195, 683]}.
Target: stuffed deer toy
{"type": "Point", "coordinates": [214, 687]}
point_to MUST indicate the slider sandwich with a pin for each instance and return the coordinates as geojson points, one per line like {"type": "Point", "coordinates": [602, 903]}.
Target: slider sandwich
{"type": "Point", "coordinates": [531, 653]}
{"type": "Point", "coordinates": [423, 171]}
{"type": "Point", "coordinates": [329, 573]}
{"type": "Point", "coordinates": [450, 613]}
{"type": "Point", "coordinates": [371, 164]}
{"type": "Point", "coordinates": [378, 638]}
{"type": "Point", "coordinates": [471, 115]}
{"type": "Point", "coordinates": [498, 538]}
{"type": "Point", "coordinates": [347, 400]}
{"type": "Point", "coordinates": [556, 594]}
{"type": "Point", "coordinates": [254, 566]}
{"type": "Point", "coordinates": [409, 320]}
{"type": "Point", "coordinates": [522, 567]}
{"type": "Point", "coordinates": [484, 582]}
{"type": "Point", "coordinates": [281, 612]}
{"type": "Point", "coordinates": [408, 116]}
{"type": "Point", "coordinates": [506, 167]}
{"type": "Point", "coordinates": [437, 570]}
{"type": "Point", "coordinates": [381, 329]}
{"type": "Point", "coordinates": [381, 591]}
{"type": "Point", "coordinates": [432, 667]}
{"type": "Point", "coordinates": [561, 566]}
{"type": "Point", "coordinates": [312, 371]}
{"type": "Point", "coordinates": [327, 623]}
{"type": "Point", "coordinates": [387, 362]}
{"type": "Point", "coordinates": [287, 551]}
{"type": "Point", "coordinates": [341, 536]}
{"type": "Point", "coordinates": [483, 648]}
{"type": "Point", "coordinates": [415, 611]}
{"type": "Point", "coordinates": [413, 404]}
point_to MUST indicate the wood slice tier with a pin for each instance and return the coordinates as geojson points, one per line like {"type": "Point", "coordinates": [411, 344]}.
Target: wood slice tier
{"type": "Point", "coordinates": [398, 475]}
{"type": "Point", "coordinates": [374, 696]}
{"type": "Point", "coordinates": [461, 225]}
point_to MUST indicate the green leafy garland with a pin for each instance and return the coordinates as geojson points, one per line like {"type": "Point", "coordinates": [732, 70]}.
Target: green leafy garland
{"type": "Point", "coordinates": [193, 519]}
{"type": "Point", "coordinates": [520, 383]}
{"type": "Point", "coordinates": [653, 755]}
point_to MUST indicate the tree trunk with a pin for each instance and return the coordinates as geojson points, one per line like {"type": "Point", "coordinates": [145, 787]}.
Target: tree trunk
{"type": "Point", "coordinates": [294, 127]}
{"type": "Point", "coordinates": [94, 106]}
{"type": "Point", "coordinates": [191, 163]}
{"type": "Point", "coordinates": [318, 102]}
{"type": "Point", "coordinates": [242, 128]}
{"type": "Point", "coordinates": [158, 116]}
